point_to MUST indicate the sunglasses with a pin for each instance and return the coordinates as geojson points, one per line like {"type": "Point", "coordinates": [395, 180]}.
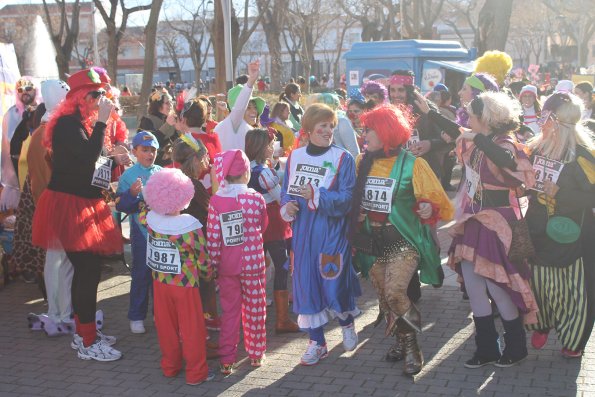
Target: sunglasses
{"type": "Point", "coordinates": [96, 94]}
{"type": "Point", "coordinates": [23, 89]}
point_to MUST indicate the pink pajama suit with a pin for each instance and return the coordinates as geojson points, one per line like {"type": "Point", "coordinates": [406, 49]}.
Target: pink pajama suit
{"type": "Point", "coordinates": [240, 268]}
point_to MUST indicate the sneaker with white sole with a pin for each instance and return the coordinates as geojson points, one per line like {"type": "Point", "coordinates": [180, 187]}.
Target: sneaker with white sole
{"type": "Point", "coordinates": [314, 353]}
{"type": "Point", "coordinates": [77, 340]}
{"type": "Point", "coordinates": [349, 337]}
{"type": "Point", "coordinates": [137, 326]}
{"type": "Point", "coordinates": [99, 351]}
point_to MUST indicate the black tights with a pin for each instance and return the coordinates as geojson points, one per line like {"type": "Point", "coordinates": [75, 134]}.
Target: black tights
{"type": "Point", "coordinates": [278, 252]}
{"type": "Point", "coordinates": [87, 272]}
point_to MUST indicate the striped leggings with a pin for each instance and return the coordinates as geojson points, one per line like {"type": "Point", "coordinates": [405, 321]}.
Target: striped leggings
{"type": "Point", "coordinates": [562, 300]}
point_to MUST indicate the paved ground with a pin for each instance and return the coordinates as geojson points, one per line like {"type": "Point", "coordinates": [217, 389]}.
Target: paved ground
{"type": "Point", "coordinates": [32, 364]}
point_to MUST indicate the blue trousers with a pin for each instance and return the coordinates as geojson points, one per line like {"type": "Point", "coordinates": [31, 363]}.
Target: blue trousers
{"type": "Point", "coordinates": [141, 284]}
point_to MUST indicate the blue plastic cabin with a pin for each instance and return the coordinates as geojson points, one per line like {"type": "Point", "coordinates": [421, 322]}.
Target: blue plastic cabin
{"type": "Point", "coordinates": [432, 61]}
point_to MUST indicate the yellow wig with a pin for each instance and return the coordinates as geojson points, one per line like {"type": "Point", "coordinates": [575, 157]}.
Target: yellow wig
{"type": "Point", "coordinates": [496, 63]}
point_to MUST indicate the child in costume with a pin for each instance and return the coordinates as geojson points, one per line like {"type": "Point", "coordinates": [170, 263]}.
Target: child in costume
{"type": "Point", "coordinates": [237, 218]}
{"type": "Point", "coordinates": [129, 200]}
{"type": "Point", "coordinates": [177, 256]}
{"type": "Point", "coordinates": [263, 179]}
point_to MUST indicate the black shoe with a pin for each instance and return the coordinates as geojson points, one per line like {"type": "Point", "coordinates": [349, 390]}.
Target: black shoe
{"type": "Point", "coordinates": [450, 188]}
{"type": "Point", "coordinates": [505, 361]}
{"type": "Point", "coordinates": [478, 362]}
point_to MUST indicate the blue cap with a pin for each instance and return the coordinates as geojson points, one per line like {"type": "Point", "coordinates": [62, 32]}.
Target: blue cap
{"type": "Point", "coordinates": [355, 94]}
{"type": "Point", "coordinates": [145, 138]}
{"type": "Point", "coordinates": [440, 87]}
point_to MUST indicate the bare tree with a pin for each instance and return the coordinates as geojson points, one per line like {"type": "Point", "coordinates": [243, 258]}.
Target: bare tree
{"type": "Point", "coordinates": [242, 28]}
{"type": "Point", "coordinates": [494, 23]}
{"type": "Point", "coordinates": [419, 17]}
{"type": "Point", "coordinates": [150, 44]}
{"type": "Point", "coordinates": [196, 31]}
{"type": "Point", "coordinates": [293, 43]}
{"type": "Point", "coordinates": [65, 34]}
{"type": "Point", "coordinates": [380, 20]}
{"type": "Point", "coordinates": [577, 17]}
{"type": "Point", "coordinates": [309, 21]}
{"type": "Point", "coordinates": [458, 13]}
{"type": "Point", "coordinates": [273, 24]}
{"type": "Point", "coordinates": [114, 32]}
{"type": "Point", "coordinates": [170, 43]}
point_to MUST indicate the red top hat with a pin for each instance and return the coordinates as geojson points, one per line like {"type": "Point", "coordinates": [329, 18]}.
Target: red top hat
{"type": "Point", "coordinates": [86, 79]}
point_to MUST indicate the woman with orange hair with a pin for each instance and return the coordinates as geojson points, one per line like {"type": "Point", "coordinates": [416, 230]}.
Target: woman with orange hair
{"type": "Point", "coordinates": [397, 199]}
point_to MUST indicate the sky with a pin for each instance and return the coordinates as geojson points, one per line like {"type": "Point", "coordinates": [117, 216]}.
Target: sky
{"type": "Point", "coordinates": [137, 19]}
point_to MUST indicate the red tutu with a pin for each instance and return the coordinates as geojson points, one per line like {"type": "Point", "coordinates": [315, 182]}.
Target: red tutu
{"type": "Point", "coordinates": [71, 223]}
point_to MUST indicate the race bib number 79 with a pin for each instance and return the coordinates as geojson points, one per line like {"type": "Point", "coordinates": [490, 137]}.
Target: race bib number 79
{"type": "Point", "coordinates": [232, 228]}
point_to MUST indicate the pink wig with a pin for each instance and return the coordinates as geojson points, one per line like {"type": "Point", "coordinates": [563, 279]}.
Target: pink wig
{"type": "Point", "coordinates": [168, 191]}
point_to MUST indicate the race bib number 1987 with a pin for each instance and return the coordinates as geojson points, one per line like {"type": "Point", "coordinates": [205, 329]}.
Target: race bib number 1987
{"type": "Point", "coordinates": [163, 256]}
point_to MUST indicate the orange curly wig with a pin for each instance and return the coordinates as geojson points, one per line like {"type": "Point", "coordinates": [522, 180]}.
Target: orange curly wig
{"type": "Point", "coordinates": [392, 124]}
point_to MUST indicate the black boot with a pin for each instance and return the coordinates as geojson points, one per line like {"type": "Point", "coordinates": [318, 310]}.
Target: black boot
{"type": "Point", "coordinates": [396, 351]}
{"type": "Point", "coordinates": [486, 340]}
{"type": "Point", "coordinates": [413, 356]}
{"type": "Point", "coordinates": [515, 350]}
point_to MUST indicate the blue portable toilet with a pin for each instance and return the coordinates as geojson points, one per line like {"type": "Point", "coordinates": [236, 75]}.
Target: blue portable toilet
{"type": "Point", "coordinates": [432, 61]}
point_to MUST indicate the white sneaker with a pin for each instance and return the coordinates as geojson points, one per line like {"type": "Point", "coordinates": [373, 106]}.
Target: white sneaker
{"type": "Point", "coordinates": [314, 353]}
{"type": "Point", "coordinates": [137, 327]}
{"type": "Point", "coordinates": [99, 351]}
{"type": "Point", "coordinates": [77, 340]}
{"type": "Point", "coordinates": [349, 337]}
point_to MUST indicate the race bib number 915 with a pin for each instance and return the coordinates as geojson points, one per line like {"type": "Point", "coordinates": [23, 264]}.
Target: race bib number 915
{"type": "Point", "coordinates": [163, 256]}
{"type": "Point", "coordinates": [546, 170]}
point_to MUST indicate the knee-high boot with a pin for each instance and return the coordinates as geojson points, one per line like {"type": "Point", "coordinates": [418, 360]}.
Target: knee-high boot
{"type": "Point", "coordinates": [414, 359]}
{"type": "Point", "coordinates": [486, 342]}
{"type": "Point", "coordinates": [515, 350]}
{"type": "Point", "coordinates": [283, 324]}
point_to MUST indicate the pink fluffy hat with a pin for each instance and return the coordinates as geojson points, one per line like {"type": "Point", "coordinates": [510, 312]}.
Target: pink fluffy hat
{"type": "Point", "coordinates": [168, 191]}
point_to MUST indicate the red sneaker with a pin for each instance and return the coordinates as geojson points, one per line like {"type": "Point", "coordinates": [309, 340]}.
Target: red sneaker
{"type": "Point", "coordinates": [567, 353]}
{"type": "Point", "coordinates": [539, 339]}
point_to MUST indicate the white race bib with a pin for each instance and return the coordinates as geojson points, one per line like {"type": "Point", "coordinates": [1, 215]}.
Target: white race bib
{"type": "Point", "coordinates": [163, 256]}
{"type": "Point", "coordinates": [413, 140]}
{"type": "Point", "coordinates": [232, 228]}
{"type": "Point", "coordinates": [102, 176]}
{"type": "Point", "coordinates": [471, 181]}
{"type": "Point", "coordinates": [546, 170]}
{"type": "Point", "coordinates": [378, 194]}
{"type": "Point", "coordinates": [305, 174]}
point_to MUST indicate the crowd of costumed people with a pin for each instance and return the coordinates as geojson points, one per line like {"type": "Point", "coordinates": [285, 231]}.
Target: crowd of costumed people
{"type": "Point", "coordinates": [326, 192]}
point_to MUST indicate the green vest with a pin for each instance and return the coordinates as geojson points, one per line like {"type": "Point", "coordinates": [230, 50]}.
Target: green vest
{"type": "Point", "coordinates": [407, 223]}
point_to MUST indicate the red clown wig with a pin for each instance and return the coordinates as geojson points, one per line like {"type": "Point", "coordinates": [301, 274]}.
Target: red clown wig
{"type": "Point", "coordinates": [392, 125]}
